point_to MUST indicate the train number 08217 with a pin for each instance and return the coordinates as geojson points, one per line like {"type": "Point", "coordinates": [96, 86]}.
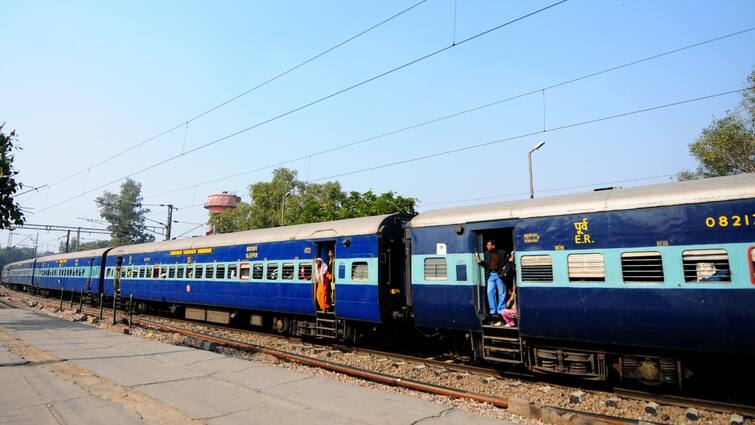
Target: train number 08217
{"type": "Point", "coordinates": [729, 221]}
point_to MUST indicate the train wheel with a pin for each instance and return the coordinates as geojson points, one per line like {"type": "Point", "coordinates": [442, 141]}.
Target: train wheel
{"type": "Point", "coordinates": [282, 325]}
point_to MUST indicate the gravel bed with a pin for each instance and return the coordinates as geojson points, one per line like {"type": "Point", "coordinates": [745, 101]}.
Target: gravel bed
{"type": "Point", "coordinates": [540, 393]}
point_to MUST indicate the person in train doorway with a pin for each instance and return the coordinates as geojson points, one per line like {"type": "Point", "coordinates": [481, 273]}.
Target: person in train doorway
{"type": "Point", "coordinates": [332, 275]}
{"type": "Point", "coordinates": [494, 262]}
{"type": "Point", "coordinates": [322, 286]}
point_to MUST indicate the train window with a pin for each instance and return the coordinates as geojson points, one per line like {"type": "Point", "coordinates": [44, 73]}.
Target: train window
{"type": "Point", "coordinates": [244, 271]}
{"type": "Point", "coordinates": [180, 272]}
{"type": "Point", "coordinates": [272, 271]}
{"type": "Point", "coordinates": [288, 271]}
{"type": "Point", "coordinates": [189, 271]}
{"type": "Point", "coordinates": [123, 273]}
{"type": "Point", "coordinates": [199, 272]}
{"type": "Point", "coordinates": [751, 256]}
{"type": "Point", "coordinates": [258, 271]}
{"type": "Point", "coordinates": [164, 272]}
{"type": "Point", "coordinates": [436, 269]}
{"type": "Point", "coordinates": [305, 271]}
{"type": "Point", "coordinates": [209, 272]}
{"type": "Point", "coordinates": [537, 268]}
{"type": "Point", "coordinates": [232, 271]}
{"type": "Point", "coordinates": [359, 271]}
{"type": "Point", "coordinates": [148, 272]}
{"type": "Point", "coordinates": [642, 266]}
{"type": "Point", "coordinates": [586, 267]}
{"type": "Point", "coordinates": [171, 272]}
{"type": "Point", "coordinates": [220, 271]}
{"type": "Point", "coordinates": [461, 272]}
{"type": "Point", "coordinates": [142, 272]}
{"type": "Point", "coordinates": [706, 265]}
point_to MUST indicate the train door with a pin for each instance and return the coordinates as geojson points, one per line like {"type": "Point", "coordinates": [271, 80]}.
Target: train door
{"type": "Point", "coordinates": [323, 251]}
{"type": "Point", "coordinates": [117, 276]}
{"type": "Point", "coordinates": [90, 273]}
{"type": "Point", "coordinates": [504, 238]}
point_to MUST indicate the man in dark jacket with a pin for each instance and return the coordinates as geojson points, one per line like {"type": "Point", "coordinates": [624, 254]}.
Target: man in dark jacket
{"type": "Point", "coordinates": [495, 260]}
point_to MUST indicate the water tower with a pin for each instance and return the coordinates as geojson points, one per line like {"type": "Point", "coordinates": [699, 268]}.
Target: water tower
{"type": "Point", "coordinates": [220, 202]}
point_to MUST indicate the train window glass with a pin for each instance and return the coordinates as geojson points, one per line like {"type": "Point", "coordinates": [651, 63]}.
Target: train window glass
{"type": "Point", "coordinates": [244, 271]}
{"type": "Point", "coordinates": [179, 272]}
{"type": "Point", "coordinates": [148, 272]}
{"type": "Point", "coordinates": [359, 271]}
{"type": "Point", "coordinates": [232, 269]}
{"type": "Point", "coordinates": [461, 272]}
{"type": "Point", "coordinates": [199, 272]}
{"type": "Point", "coordinates": [171, 272]}
{"type": "Point", "coordinates": [537, 268]}
{"type": "Point", "coordinates": [436, 269]}
{"type": "Point", "coordinates": [142, 272]}
{"type": "Point", "coordinates": [258, 271]}
{"type": "Point", "coordinates": [287, 271]}
{"type": "Point", "coordinates": [220, 271]}
{"type": "Point", "coordinates": [210, 271]}
{"type": "Point", "coordinates": [586, 267]}
{"type": "Point", "coordinates": [272, 271]}
{"type": "Point", "coordinates": [123, 273]}
{"type": "Point", "coordinates": [642, 266]}
{"type": "Point", "coordinates": [305, 271]}
{"type": "Point", "coordinates": [706, 265]}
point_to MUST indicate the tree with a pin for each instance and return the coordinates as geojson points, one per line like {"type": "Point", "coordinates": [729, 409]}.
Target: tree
{"type": "Point", "coordinates": [13, 254]}
{"type": "Point", "coordinates": [304, 203]}
{"type": "Point", "coordinates": [125, 214]}
{"type": "Point", "coordinates": [74, 246]}
{"type": "Point", "coordinates": [727, 145]}
{"type": "Point", "coordinates": [10, 211]}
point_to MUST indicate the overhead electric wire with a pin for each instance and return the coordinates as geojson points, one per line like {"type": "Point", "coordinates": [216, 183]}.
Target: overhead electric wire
{"type": "Point", "coordinates": [311, 103]}
{"type": "Point", "coordinates": [242, 94]}
{"type": "Point", "coordinates": [456, 114]}
{"type": "Point", "coordinates": [189, 231]}
{"type": "Point", "coordinates": [533, 133]}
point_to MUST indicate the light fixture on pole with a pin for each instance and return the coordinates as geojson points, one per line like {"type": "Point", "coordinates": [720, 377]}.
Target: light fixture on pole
{"type": "Point", "coordinates": [283, 204]}
{"type": "Point", "coordinates": [529, 158]}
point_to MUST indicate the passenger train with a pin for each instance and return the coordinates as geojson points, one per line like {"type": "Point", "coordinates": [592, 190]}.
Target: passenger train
{"type": "Point", "coordinates": [649, 284]}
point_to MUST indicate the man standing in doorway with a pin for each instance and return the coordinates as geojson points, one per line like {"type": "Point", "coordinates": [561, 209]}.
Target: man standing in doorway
{"type": "Point", "coordinates": [494, 261]}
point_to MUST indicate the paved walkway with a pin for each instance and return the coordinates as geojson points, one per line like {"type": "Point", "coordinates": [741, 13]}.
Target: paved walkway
{"type": "Point", "coordinates": [57, 372]}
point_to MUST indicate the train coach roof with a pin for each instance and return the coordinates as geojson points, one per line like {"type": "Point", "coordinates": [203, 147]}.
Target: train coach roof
{"type": "Point", "coordinates": [327, 229]}
{"type": "Point", "coordinates": [90, 253]}
{"type": "Point", "coordinates": [679, 193]}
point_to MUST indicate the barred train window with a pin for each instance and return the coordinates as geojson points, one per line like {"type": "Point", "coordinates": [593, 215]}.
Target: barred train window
{"type": "Point", "coordinates": [171, 272]}
{"type": "Point", "coordinates": [706, 265]}
{"type": "Point", "coordinates": [244, 271]}
{"type": "Point", "coordinates": [142, 272]}
{"type": "Point", "coordinates": [180, 272]}
{"type": "Point", "coordinates": [288, 271]}
{"type": "Point", "coordinates": [537, 268]}
{"type": "Point", "coordinates": [199, 272]}
{"type": "Point", "coordinates": [220, 271]}
{"type": "Point", "coordinates": [436, 269]}
{"type": "Point", "coordinates": [305, 271]}
{"type": "Point", "coordinates": [232, 272]}
{"type": "Point", "coordinates": [209, 271]}
{"type": "Point", "coordinates": [586, 268]}
{"type": "Point", "coordinates": [359, 271]}
{"type": "Point", "coordinates": [642, 266]}
{"type": "Point", "coordinates": [272, 271]}
{"type": "Point", "coordinates": [257, 271]}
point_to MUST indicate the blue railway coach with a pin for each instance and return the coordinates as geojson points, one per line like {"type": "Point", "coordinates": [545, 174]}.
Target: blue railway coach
{"type": "Point", "coordinates": [70, 272]}
{"type": "Point", "coordinates": [266, 275]}
{"type": "Point", "coordinates": [642, 281]}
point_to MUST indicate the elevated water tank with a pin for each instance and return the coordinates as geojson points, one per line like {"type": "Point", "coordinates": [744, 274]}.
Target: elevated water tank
{"type": "Point", "coordinates": [220, 202]}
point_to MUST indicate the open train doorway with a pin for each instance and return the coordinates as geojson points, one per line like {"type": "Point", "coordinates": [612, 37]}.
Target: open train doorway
{"type": "Point", "coordinates": [325, 294]}
{"type": "Point", "coordinates": [504, 239]}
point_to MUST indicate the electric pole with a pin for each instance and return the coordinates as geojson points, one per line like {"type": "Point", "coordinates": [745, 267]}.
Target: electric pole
{"type": "Point", "coordinates": [169, 223]}
{"type": "Point", "coordinates": [68, 240]}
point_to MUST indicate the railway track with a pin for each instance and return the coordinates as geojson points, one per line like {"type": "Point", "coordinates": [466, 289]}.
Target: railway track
{"type": "Point", "coordinates": [237, 339]}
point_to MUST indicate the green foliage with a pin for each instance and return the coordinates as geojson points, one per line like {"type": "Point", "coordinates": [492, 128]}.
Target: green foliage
{"type": "Point", "coordinates": [13, 254]}
{"type": "Point", "coordinates": [727, 145]}
{"type": "Point", "coordinates": [10, 211]}
{"type": "Point", "coordinates": [74, 246]}
{"type": "Point", "coordinates": [304, 203]}
{"type": "Point", "coordinates": [125, 214]}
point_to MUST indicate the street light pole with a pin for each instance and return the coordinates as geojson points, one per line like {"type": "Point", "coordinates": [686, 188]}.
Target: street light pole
{"type": "Point", "coordinates": [529, 159]}
{"type": "Point", "coordinates": [283, 205]}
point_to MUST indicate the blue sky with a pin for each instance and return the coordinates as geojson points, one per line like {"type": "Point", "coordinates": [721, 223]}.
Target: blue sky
{"type": "Point", "coordinates": [83, 80]}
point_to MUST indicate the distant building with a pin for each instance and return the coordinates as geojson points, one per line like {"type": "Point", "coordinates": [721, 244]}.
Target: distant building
{"type": "Point", "coordinates": [220, 202]}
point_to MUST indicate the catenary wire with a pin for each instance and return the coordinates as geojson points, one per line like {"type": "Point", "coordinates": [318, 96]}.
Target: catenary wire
{"type": "Point", "coordinates": [240, 95]}
{"type": "Point", "coordinates": [533, 133]}
{"type": "Point", "coordinates": [309, 104]}
{"type": "Point", "coordinates": [454, 114]}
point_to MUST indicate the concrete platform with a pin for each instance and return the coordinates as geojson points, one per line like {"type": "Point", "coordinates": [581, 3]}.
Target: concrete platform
{"type": "Point", "coordinates": [61, 372]}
